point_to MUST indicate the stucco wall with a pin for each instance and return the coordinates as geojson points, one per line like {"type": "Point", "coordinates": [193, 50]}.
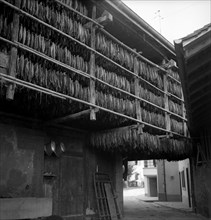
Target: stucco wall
{"type": "Point", "coordinates": [183, 166]}
{"type": "Point", "coordinates": [168, 181]}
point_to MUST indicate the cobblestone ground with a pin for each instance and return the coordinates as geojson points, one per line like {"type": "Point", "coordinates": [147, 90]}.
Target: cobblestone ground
{"type": "Point", "coordinates": [137, 206]}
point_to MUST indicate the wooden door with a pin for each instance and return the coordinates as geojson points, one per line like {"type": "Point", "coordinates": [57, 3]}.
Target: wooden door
{"type": "Point", "coordinates": [71, 187]}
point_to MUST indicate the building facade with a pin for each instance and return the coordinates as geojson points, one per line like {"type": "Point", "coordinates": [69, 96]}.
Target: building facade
{"type": "Point", "coordinates": [83, 85]}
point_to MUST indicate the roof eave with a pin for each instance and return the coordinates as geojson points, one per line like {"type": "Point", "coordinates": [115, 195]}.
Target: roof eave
{"type": "Point", "coordinates": [141, 24]}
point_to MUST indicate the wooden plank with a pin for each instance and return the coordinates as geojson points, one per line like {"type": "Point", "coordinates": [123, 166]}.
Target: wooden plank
{"type": "Point", "coordinates": [106, 199]}
{"type": "Point", "coordinates": [72, 116]}
{"type": "Point", "coordinates": [111, 201]}
{"type": "Point", "coordinates": [13, 53]}
{"type": "Point", "coordinates": [71, 196]}
{"type": "Point", "coordinates": [25, 208]}
{"type": "Point", "coordinates": [92, 67]}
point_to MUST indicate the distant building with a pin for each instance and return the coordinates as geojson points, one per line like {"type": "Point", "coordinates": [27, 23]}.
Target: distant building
{"type": "Point", "coordinates": [150, 178]}
{"type": "Point", "coordinates": [137, 177]}
{"type": "Point", "coordinates": [169, 181]}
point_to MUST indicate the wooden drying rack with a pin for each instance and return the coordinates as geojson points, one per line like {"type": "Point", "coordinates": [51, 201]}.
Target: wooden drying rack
{"type": "Point", "coordinates": [15, 44]}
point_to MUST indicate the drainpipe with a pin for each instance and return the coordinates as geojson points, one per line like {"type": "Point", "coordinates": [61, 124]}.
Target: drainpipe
{"type": "Point", "coordinates": [164, 180]}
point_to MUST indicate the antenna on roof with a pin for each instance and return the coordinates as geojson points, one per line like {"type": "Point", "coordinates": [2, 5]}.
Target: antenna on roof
{"type": "Point", "coordinates": [159, 18]}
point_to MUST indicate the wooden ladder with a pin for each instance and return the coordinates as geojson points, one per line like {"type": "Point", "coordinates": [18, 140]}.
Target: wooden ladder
{"type": "Point", "coordinates": [107, 204]}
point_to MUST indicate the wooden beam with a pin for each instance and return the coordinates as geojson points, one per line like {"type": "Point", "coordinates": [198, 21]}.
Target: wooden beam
{"type": "Point", "coordinates": [92, 66]}
{"type": "Point", "coordinates": [137, 93]}
{"type": "Point", "coordinates": [103, 20]}
{"type": "Point", "coordinates": [166, 103]}
{"type": "Point", "coordinates": [135, 126]}
{"type": "Point", "coordinates": [183, 76]}
{"type": "Point", "coordinates": [185, 128]}
{"type": "Point", "coordinates": [13, 53]}
{"type": "Point", "coordinates": [171, 64]}
{"type": "Point", "coordinates": [165, 136]}
{"type": "Point", "coordinates": [72, 116]}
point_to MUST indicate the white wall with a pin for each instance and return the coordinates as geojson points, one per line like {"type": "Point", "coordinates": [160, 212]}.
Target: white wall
{"type": "Point", "coordinates": [168, 181]}
{"type": "Point", "coordinates": [172, 178]}
{"type": "Point", "coordinates": [183, 164]}
{"type": "Point", "coordinates": [146, 185]}
{"type": "Point", "coordinates": [150, 171]}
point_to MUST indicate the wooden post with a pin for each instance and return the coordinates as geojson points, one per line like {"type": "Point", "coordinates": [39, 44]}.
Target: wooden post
{"type": "Point", "coordinates": [92, 67]}
{"type": "Point", "coordinates": [13, 53]}
{"type": "Point", "coordinates": [184, 116]}
{"type": "Point", "coordinates": [137, 91]}
{"type": "Point", "coordinates": [166, 103]}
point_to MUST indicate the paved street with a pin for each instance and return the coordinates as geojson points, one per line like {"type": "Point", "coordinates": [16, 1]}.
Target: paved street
{"type": "Point", "coordinates": [137, 206]}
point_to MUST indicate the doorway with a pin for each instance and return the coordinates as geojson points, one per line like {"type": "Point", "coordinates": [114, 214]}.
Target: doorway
{"type": "Point", "coordinates": [153, 187]}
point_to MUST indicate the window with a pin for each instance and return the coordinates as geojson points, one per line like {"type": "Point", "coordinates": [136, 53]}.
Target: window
{"type": "Point", "coordinates": [149, 163]}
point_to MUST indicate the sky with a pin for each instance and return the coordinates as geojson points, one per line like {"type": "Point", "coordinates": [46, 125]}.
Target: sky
{"type": "Point", "coordinates": [174, 19]}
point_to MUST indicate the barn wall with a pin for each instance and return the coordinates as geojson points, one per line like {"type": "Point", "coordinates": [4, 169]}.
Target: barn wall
{"type": "Point", "coordinates": [26, 171]}
{"type": "Point", "coordinates": [67, 179]}
{"type": "Point", "coordinates": [21, 162]}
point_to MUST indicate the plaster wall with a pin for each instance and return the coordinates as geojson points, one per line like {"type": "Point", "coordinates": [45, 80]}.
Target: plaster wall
{"type": "Point", "coordinates": [184, 165]}
{"type": "Point", "coordinates": [168, 181]}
